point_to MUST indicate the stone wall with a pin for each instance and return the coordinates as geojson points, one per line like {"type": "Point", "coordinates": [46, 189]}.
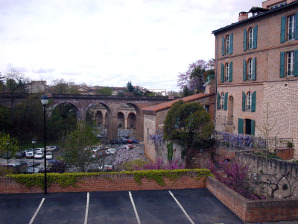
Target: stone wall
{"type": "Point", "coordinates": [273, 171]}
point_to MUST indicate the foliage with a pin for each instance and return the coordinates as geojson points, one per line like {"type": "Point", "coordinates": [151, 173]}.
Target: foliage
{"type": "Point", "coordinates": [71, 179]}
{"type": "Point", "coordinates": [130, 88]}
{"type": "Point", "coordinates": [59, 87]}
{"type": "Point", "coordinates": [160, 165]}
{"type": "Point", "coordinates": [156, 138]}
{"type": "Point", "coordinates": [5, 119]}
{"type": "Point", "coordinates": [130, 165]}
{"type": "Point", "coordinates": [58, 167]}
{"type": "Point", "coordinates": [13, 143]}
{"type": "Point", "coordinates": [77, 146]}
{"type": "Point", "coordinates": [192, 81]}
{"type": "Point", "coordinates": [170, 151]}
{"type": "Point", "coordinates": [290, 145]}
{"type": "Point", "coordinates": [187, 123]}
{"type": "Point", "coordinates": [4, 171]}
{"type": "Point", "coordinates": [104, 91]}
{"type": "Point", "coordinates": [233, 175]}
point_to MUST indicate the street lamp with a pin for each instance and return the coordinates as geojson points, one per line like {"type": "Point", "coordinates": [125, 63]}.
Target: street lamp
{"type": "Point", "coordinates": [33, 143]}
{"type": "Point", "coordinates": [7, 143]}
{"type": "Point", "coordinates": [44, 102]}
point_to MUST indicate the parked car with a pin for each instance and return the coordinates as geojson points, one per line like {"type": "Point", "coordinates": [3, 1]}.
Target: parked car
{"type": "Point", "coordinates": [111, 151]}
{"type": "Point", "coordinates": [7, 155]}
{"type": "Point", "coordinates": [52, 148]}
{"type": "Point", "coordinates": [49, 155]}
{"type": "Point", "coordinates": [38, 155]}
{"type": "Point", "coordinates": [29, 154]}
{"type": "Point", "coordinates": [39, 150]}
{"type": "Point", "coordinates": [106, 168]}
{"type": "Point", "coordinates": [20, 155]}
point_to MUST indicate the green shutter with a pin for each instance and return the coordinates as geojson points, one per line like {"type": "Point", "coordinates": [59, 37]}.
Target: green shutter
{"type": "Point", "coordinates": [255, 36]}
{"type": "Point", "coordinates": [254, 69]}
{"type": "Point", "coordinates": [240, 126]}
{"type": "Point", "coordinates": [226, 101]}
{"type": "Point", "coordinates": [244, 70]}
{"type": "Point", "coordinates": [296, 26]}
{"type": "Point", "coordinates": [253, 124]}
{"type": "Point", "coordinates": [244, 40]}
{"type": "Point", "coordinates": [218, 101]}
{"type": "Point", "coordinates": [253, 104]}
{"type": "Point", "coordinates": [282, 64]}
{"type": "Point", "coordinates": [283, 30]}
{"type": "Point", "coordinates": [296, 63]}
{"type": "Point", "coordinates": [243, 101]}
{"type": "Point", "coordinates": [231, 43]}
{"type": "Point", "coordinates": [231, 72]}
{"type": "Point", "coordinates": [222, 73]}
{"type": "Point", "coordinates": [222, 46]}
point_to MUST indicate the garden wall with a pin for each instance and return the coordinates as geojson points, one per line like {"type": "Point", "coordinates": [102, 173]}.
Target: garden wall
{"type": "Point", "coordinates": [254, 211]}
{"type": "Point", "coordinates": [108, 182]}
{"type": "Point", "coordinates": [276, 172]}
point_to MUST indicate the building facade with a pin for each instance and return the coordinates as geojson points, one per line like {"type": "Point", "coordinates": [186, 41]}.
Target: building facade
{"type": "Point", "coordinates": [257, 72]}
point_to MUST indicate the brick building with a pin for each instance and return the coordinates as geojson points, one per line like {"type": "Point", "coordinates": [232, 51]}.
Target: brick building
{"type": "Point", "coordinates": [257, 72]}
{"type": "Point", "coordinates": [154, 117]}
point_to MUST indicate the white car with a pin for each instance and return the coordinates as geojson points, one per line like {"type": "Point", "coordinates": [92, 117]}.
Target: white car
{"type": "Point", "coordinates": [39, 150]}
{"type": "Point", "coordinates": [111, 151]}
{"type": "Point", "coordinates": [51, 148]}
{"type": "Point", "coordinates": [49, 155]}
{"type": "Point", "coordinates": [38, 155]}
{"type": "Point", "coordinates": [29, 155]}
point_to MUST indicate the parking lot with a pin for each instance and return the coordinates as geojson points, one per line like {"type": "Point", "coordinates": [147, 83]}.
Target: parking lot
{"type": "Point", "coordinates": [175, 206]}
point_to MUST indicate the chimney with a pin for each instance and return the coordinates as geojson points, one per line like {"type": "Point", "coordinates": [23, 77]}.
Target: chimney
{"type": "Point", "coordinates": [242, 16]}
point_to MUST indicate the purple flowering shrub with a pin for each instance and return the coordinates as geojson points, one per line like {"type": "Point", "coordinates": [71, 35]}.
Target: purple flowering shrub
{"type": "Point", "coordinates": [156, 138]}
{"type": "Point", "coordinates": [161, 165]}
{"type": "Point", "coordinates": [233, 175]}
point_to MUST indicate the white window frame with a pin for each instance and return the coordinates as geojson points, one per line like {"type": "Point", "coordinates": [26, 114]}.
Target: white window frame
{"type": "Point", "coordinates": [250, 38]}
{"type": "Point", "coordinates": [249, 100]}
{"type": "Point", "coordinates": [228, 44]}
{"type": "Point", "coordinates": [227, 72]}
{"type": "Point", "coordinates": [249, 69]}
{"type": "Point", "coordinates": [222, 100]}
{"type": "Point", "coordinates": [291, 27]}
{"type": "Point", "coordinates": [290, 63]}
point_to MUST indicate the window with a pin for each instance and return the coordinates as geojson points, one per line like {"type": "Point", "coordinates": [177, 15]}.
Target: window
{"type": "Point", "coordinates": [228, 44]}
{"type": "Point", "coordinates": [249, 128]}
{"type": "Point", "coordinates": [288, 63]}
{"type": "Point", "coordinates": [227, 72]}
{"type": "Point", "coordinates": [249, 69]}
{"type": "Point", "coordinates": [288, 30]}
{"type": "Point", "coordinates": [249, 101]}
{"type": "Point", "coordinates": [222, 101]}
{"type": "Point", "coordinates": [291, 27]}
{"type": "Point", "coordinates": [250, 38]}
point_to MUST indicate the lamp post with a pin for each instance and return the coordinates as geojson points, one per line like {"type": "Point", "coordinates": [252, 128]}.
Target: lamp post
{"type": "Point", "coordinates": [33, 143]}
{"type": "Point", "coordinates": [7, 149]}
{"type": "Point", "coordinates": [44, 102]}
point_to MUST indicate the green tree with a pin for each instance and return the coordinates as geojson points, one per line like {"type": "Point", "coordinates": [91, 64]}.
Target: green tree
{"type": "Point", "coordinates": [77, 146]}
{"type": "Point", "coordinates": [130, 87]}
{"type": "Point", "coordinates": [59, 87]}
{"type": "Point", "coordinates": [188, 124]}
{"type": "Point", "coordinates": [13, 146]}
{"type": "Point", "coordinates": [107, 91]}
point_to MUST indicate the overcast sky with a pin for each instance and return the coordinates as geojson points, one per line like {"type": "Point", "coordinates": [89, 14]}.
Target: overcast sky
{"type": "Point", "coordinates": [111, 42]}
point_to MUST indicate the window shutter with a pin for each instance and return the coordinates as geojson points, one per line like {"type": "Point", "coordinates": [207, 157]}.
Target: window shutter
{"type": "Point", "coordinates": [255, 36]}
{"type": "Point", "coordinates": [231, 43]}
{"type": "Point", "coordinates": [222, 46]}
{"type": "Point", "coordinates": [253, 124]}
{"type": "Point", "coordinates": [283, 30]}
{"type": "Point", "coordinates": [240, 126]}
{"type": "Point", "coordinates": [296, 26]}
{"type": "Point", "coordinates": [244, 40]}
{"type": "Point", "coordinates": [231, 72]}
{"type": "Point", "coordinates": [226, 101]}
{"type": "Point", "coordinates": [218, 101]}
{"type": "Point", "coordinates": [254, 69]}
{"type": "Point", "coordinates": [296, 63]}
{"type": "Point", "coordinates": [244, 69]}
{"type": "Point", "coordinates": [282, 64]}
{"type": "Point", "coordinates": [243, 101]}
{"type": "Point", "coordinates": [253, 103]}
{"type": "Point", "coordinates": [222, 73]}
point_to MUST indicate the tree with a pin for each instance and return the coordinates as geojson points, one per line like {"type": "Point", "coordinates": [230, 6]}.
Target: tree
{"type": "Point", "coordinates": [60, 87]}
{"type": "Point", "coordinates": [194, 78]}
{"type": "Point", "coordinates": [130, 87]}
{"type": "Point", "coordinates": [104, 91]}
{"type": "Point", "coordinates": [188, 124]}
{"type": "Point", "coordinates": [77, 146]}
{"type": "Point", "coordinates": [13, 143]}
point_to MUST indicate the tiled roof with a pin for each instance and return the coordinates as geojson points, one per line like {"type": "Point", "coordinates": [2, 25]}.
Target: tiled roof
{"type": "Point", "coordinates": [166, 105]}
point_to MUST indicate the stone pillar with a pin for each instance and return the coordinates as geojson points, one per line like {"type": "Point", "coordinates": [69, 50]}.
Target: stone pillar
{"type": "Point", "coordinates": [112, 127]}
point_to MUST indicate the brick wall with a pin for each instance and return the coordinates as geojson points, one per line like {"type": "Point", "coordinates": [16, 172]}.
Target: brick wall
{"type": "Point", "coordinates": [118, 182]}
{"type": "Point", "coordinates": [254, 211]}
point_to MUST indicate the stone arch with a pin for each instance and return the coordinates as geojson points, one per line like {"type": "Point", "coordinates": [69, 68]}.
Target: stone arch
{"type": "Point", "coordinates": [139, 121]}
{"type": "Point", "coordinates": [121, 120]}
{"type": "Point", "coordinates": [50, 109]}
{"type": "Point", "coordinates": [131, 121]}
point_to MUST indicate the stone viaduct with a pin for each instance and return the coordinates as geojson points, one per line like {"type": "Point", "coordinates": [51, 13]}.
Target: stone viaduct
{"type": "Point", "coordinates": [115, 111]}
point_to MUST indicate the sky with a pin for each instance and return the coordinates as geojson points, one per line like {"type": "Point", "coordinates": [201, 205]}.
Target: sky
{"type": "Point", "coordinates": [111, 42]}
